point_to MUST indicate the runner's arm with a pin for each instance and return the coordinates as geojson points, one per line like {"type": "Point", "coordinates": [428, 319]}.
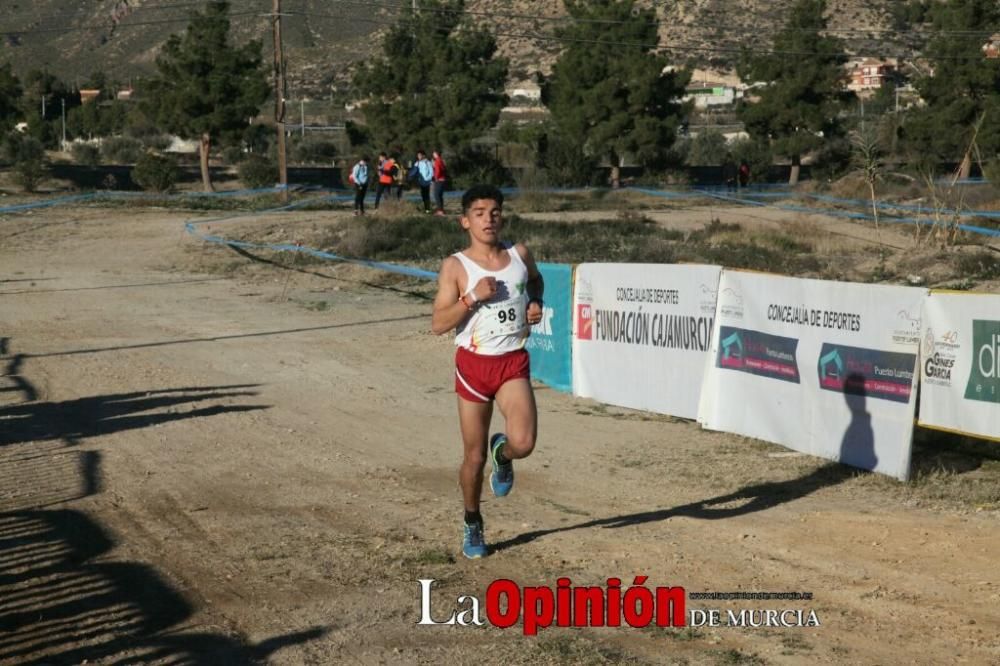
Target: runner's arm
{"type": "Point", "coordinates": [536, 285]}
{"type": "Point", "coordinates": [449, 311]}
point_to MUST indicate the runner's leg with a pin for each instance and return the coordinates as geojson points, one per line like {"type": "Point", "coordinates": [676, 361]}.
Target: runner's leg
{"type": "Point", "coordinates": [474, 421]}
{"type": "Point", "coordinates": [516, 401]}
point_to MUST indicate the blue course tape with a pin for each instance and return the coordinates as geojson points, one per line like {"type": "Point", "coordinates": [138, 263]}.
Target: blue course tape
{"type": "Point", "coordinates": [670, 194]}
{"type": "Point", "coordinates": [96, 196]}
{"type": "Point", "coordinates": [885, 205]}
{"type": "Point", "coordinates": [401, 269]}
{"type": "Point", "coordinates": [47, 203]}
{"type": "Point", "coordinates": [286, 247]}
{"type": "Point", "coordinates": [889, 219]}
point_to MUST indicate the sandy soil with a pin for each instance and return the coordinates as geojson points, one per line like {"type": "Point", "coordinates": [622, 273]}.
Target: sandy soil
{"type": "Point", "coordinates": [225, 466]}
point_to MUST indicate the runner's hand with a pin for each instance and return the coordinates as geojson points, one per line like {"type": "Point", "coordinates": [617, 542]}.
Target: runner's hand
{"type": "Point", "coordinates": [485, 289]}
{"type": "Point", "coordinates": [534, 312]}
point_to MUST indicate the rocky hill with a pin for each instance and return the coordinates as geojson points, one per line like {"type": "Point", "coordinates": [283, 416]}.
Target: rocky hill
{"type": "Point", "coordinates": [74, 38]}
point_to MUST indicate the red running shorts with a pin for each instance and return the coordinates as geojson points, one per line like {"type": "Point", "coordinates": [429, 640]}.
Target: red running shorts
{"type": "Point", "coordinates": [479, 377]}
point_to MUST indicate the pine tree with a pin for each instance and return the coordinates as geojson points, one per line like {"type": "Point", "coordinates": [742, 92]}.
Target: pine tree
{"type": "Point", "coordinates": [610, 93]}
{"type": "Point", "coordinates": [803, 87]}
{"type": "Point", "coordinates": [10, 95]}
{"type": "Point", "coordinates": [206, 88]}
{"type": "Point", "coordinates": [42, 90]}
{"type": "Point", "coordinates": [962, 94]}
{"type": "Point", "coordinates": [436, 83]}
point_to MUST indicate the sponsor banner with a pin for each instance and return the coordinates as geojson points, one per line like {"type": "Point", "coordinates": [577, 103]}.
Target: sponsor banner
{"type": "Point", "coordinates": [758, 353]}
{"type": "Point", "coordinates": [877, 374]}
{"type": "Point", "coordinates": [960, 364]}
{"type": "Point", "coordinates": [549, 345]}
{"type": "Point", "coordinates": [642, 333]}
{"type": "Point", "coordinates": [825, 368]}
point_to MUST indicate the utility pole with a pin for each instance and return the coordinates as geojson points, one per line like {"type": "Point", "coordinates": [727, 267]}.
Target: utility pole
{"type": "Point", "coordinates": [63, 99]}
{"type": "Point", "coordinates": [302, 108]}
{"type": "Point", "coordinates": [279, 98]}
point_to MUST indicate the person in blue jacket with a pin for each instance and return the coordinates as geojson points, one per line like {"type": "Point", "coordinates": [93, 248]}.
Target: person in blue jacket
{"type": "Point", "coordinates": [359, 178]}
{"type": "Point", "coordinates": [425, 177]}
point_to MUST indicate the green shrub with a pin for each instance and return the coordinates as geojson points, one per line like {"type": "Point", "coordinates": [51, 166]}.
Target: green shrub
{"type": "Point", "coordinates": [232, 155]}
{"type": "Point", "coordinates": [757, 155]}
{"type": "Point", "coordinates": [258, 138]}
{"type": "Point", "coordinates": [157, 142]}
{"type": "Point", "coordinates": [121, 150]}
{"type": "Point", "coordinates": [29, 174]}
{"type": "Point", "coordinates": [156, 173]}
{"type": "Point", "coordinates": [981, 265]}
{"type": "Point", "coordinates": [566, 163]}
{"type": "Point", "coordinates": [991, 172]}
{"type": "Point", "coordinates": [476, 164]}
{"type": "Point", "coordinates": [313, 151]}
{"type": "Point", "coordinates": [832, 160]}
{"type": "Point", "coordinates": [86, 154]}
{"type": "Point", "coordinates": [27, 155]}
{"type": "Point", "coordinates": [707, 149]}
{"type": "Point", "coordinates": [257, 171]}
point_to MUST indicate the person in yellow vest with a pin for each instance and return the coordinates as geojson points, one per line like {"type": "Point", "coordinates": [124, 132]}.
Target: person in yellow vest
{"type": "Point", "coordinates": [400, 177]}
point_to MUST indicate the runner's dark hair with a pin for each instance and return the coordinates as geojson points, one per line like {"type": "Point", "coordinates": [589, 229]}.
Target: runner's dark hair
{"type": "Point", "coordinates": [479, 192]}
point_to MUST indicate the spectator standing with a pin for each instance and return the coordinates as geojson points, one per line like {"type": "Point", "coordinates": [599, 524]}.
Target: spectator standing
{"type": "Point", "coordinates": [387, 170]}
{"type": "Point", "coordinates": [440, 179]}
{"type": "Point", "coordinates": [729, 173]}
{"type": "Point", "coordinates": [744, 174]}
{"type": "Point", "coordinates": [425, 178]}
{"type": "Point", "coordinates": [359, 178]}
{"type": "Point", "coordinates": [400, 176]}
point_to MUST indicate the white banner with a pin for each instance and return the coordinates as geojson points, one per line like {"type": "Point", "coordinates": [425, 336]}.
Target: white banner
{"type": "Point", "coordinates": [641, 334]}
{"type": "Point", "coordinates": [960, 364]}
{"type": "Point", "coordinates": [826, 368]}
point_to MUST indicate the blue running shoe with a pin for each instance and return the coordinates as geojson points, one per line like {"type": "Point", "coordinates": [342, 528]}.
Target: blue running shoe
{"type": "Point", "coordinates": [502, 477]}
{"type": "Point", "coordinates": [474, 543]}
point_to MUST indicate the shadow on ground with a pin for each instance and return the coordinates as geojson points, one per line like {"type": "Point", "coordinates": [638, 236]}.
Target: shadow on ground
{"type": "Point", "coordinates": [751, 499]}
{"type": "Point", "coordinates": [64, 596]}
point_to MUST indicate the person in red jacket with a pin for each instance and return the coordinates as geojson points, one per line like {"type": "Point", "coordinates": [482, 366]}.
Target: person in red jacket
{"type": "Point", "coordinates": [440, 178]}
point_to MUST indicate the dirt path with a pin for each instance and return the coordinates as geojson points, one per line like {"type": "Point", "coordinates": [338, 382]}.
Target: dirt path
{"type": "Point", "coordinates": [202, 468]}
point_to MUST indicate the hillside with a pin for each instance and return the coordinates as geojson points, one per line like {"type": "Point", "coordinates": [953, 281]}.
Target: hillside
{"type": "Point", "coordinates": [74, 38]}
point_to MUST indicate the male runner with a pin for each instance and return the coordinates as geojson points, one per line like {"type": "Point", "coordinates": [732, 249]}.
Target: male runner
{"type": "Point", "coordinates": [491, 292]}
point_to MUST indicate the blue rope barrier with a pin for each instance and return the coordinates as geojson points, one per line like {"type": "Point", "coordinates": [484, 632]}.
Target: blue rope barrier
{"type": "Point", "coordinates": [890, 219]}
{"type": "Point", "coordinates": [47, 203]}
{"type": "Point", "coordinates": [287, 247]}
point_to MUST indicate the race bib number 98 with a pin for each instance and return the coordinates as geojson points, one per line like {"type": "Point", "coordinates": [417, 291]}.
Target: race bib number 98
{"type": "Point", "coordinates": [503, 318]}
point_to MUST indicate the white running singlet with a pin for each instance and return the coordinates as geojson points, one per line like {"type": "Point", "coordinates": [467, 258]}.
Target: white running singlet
{"type": "Point", "coordinates": [499, 325]}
